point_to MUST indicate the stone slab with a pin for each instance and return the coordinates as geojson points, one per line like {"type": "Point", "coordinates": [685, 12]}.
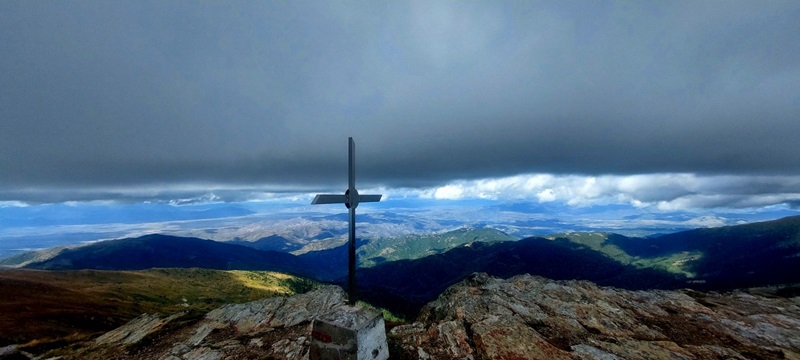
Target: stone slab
{"type": "Point", "coordinates": [349, 333]}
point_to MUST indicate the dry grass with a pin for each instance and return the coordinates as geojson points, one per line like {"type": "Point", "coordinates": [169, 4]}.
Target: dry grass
{"type": "Point", "coordinates": [48, 309]}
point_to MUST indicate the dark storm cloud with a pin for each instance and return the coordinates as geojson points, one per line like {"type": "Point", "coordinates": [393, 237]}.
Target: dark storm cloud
{"type": "Point", "coordinates": [115, 94]}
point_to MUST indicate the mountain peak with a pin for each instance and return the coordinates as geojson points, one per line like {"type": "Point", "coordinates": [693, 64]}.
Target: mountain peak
{"type": "Point", "coordinates": [533, 317]}
{"type": "Point", "coordinates": [483, 317]}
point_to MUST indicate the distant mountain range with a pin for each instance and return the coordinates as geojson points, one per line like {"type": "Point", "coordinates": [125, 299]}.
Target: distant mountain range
{"type": "Point", "coordinates": [331, 264]}
{"type": "Point", "coordinates": [404, 273]}
{"type": "Point", "coordinates": [406, 285]}
{"type": "Point", "coordinates": [156, 250]}
{"type": "Point", "coordinates": [724, 258]}
{"type": "Point", "coordinates": [162, 251]}
{"type": "Point", "coordinates": [271, 242]}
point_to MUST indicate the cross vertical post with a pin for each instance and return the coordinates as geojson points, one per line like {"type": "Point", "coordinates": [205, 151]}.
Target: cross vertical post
{"type": "Point", "coordinates": [352, 202]}
{"type": "Point", "coordinates": [350, 199]}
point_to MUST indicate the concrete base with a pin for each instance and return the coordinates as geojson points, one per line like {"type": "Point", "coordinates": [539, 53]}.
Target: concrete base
{"type": "Point", "coordinates": [349, 333]}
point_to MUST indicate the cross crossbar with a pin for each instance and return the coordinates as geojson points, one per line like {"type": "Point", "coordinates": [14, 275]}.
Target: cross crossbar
{"type": "Point", "coordinates": [350, 199]}
{"type": "Point", "coordinates": [329, 199]}
{"type": "Point", "coordinates": [322, 199]}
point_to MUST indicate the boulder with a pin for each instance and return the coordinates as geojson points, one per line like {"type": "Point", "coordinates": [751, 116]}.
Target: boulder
{"type": "Point", "coordinates": [275, 328]}
{"type": "Point", "coordinates": [530, 317]}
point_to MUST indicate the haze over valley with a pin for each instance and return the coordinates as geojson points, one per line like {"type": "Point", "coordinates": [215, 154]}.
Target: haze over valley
{"type": "Point", "coordinates": [298, 227]}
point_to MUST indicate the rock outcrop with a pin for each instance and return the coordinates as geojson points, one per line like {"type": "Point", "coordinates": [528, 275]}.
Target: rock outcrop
{"type": "Point", "coordinates": [524, 317]}
{"type": "Point", "coordinates": [136, 330]}
{"type": "Point", "coordinates": [272, 328]}
{"type": "Point", "coordinates": [530, 317]}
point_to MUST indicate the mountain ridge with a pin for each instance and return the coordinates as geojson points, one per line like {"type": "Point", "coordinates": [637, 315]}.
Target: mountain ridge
{"type": "Point", "coordinates": [161, 251]}
{"type": "Point", "coordinates": [603, 260]}
{"type": "Point", "coordinates": [481, 317]}
{"type": "Point", "coordinates": [724, 258]}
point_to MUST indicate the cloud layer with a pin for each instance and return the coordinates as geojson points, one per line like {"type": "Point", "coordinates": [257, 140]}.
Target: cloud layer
{"type": "Point", "coordinates": [662, 192]}
{"type": "Point", "coordinates": [263, 95]}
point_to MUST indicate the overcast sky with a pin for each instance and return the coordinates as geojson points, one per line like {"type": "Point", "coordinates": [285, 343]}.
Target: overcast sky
{"type": "Point", "coordinates": [644, 102]}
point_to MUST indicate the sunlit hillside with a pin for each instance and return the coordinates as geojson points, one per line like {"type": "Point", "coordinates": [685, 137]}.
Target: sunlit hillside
{"type": "Point", "coordinates": [48, 309]}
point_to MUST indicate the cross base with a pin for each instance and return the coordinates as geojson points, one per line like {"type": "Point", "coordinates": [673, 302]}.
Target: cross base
{"type": "Point", "coordinates": [349, 333]}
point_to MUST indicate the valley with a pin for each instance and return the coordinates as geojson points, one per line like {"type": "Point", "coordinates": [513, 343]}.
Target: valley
{"type": "Point", "coordinates": [64, 296]}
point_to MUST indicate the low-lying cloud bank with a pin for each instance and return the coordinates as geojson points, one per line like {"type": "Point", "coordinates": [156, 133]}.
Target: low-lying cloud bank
{"type": "Point", "coordinates": [667, 192]}
{"type": "Point", "coordinates": [659, 192]}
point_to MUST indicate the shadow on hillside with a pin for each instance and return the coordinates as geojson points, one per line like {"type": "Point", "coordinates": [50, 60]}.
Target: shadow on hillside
{"type": "Point", "coordinates": [407, 285]}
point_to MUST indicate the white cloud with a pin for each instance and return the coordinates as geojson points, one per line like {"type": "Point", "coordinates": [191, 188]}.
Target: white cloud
{"type": "Point", "coordinates": [706, 221]}
{"type": "Point", "coordinates": [12, 204]}
{"type": "Point", "coordinates": [546, 195]}
{"type": "Point", "coordinates": [202, 199]}
{"type": "Point", "coordinates": [657, 192]}
{"type": "Point", "coordinates": [449, 192]}
{"type": "Point", "coordinates": [662, 192]}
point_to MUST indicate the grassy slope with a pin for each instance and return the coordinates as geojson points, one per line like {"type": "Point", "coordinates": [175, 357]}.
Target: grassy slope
{"type": "Point", "coordinates": [404, 286]}
{"type": "Point", "coordinates": [738, 256]}
{"type": "Point", "coordinates": [382, 250]}
{"type": "Point", "coordinates": [725, 258]}
{"type": "Point", "coordinates": [53, 306]}
{"type": "Point", "coordinates": [678, 262]}
{"type": "Point", "coordinates": [331, 264]}
{"type": "Point", "coordinates": [22, 259]}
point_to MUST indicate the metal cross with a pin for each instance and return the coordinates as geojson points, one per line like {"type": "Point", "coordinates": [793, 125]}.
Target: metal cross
{"type": "Point", "coordinates": [350, 199]}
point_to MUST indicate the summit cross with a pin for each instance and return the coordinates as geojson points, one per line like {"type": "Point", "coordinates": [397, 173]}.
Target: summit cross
{"type": "Point", "coordinates": [350, 199]}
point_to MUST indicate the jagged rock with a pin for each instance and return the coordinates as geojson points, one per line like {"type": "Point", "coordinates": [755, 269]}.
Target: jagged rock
{"type": "Point", "coordinates": [136, 330]}
{"type": "Point", "coordinates": [202, 353]}
{"type": "Point", "coordinates": [529, 317]}
{"type": "Point", "coordinates": [524, 317]}
{"type": "Point", "coordinates": [291, 349]}
{"type": "Point", "coordinates": [274, 318]}
{"type": "Point", "coordinates": [8, 350]}
{"type": "Point", "coordinates": [12, 352]}
{"type": "Point", "coordinates": [275, 328]}
{"type": "Point", "coordinates": [279, 311]}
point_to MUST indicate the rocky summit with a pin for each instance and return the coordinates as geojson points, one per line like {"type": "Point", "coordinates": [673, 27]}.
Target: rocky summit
{"type": "Point", "coordinates": [272, 328]}
{"type": "Point", "coordinates": [530, 317]}
{"type": "Point", "coordinates": [524, 317]}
